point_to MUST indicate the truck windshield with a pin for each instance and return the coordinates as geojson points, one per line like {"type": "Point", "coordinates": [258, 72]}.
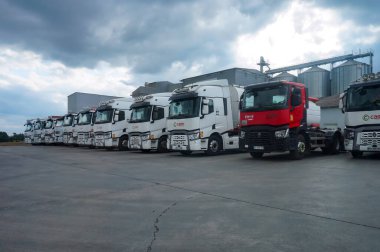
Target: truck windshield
{"type": "Point", "coordinates": [37, 125]}
{"type": "Point", "coordinates": [49, 124]}
{"type": "Point", "coordinates": [364, 98]}
{"type": "Point", "coordinates": [267, 98]}
{"type": "Point", "coordinates": [103, 116]}
{"type": "Point", "coordinates": [84, 118]}
{"type": "Point", "coordinates": [186, 108]}
{"type": "Point", "coordinates": [59, 123]}
{"type": "Point", "coordinates": [28, 127]}
{"type": "Point", "coordinates": [141, 114]}
{"type": "Point", "coordinates": [67, 121]}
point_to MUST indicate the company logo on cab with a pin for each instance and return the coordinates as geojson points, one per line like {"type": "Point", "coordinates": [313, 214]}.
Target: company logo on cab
{"type": "Point", "coordinates": [373, 117]}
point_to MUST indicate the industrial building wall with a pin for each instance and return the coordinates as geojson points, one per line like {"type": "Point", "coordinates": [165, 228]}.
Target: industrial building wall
{"type": "Point", "coordinates": [244, 78]}
{"type": "Point", "coordinates": [77, 101]}
{"type": "Point", "coordinates": [332, 118]}
{"type": "Point", "coordinates": [229, 75]}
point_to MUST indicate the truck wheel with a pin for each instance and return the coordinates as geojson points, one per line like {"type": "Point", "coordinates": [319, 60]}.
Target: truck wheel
{"type": "Point", "coordinates": [214, 146]}
{"type": "Point", "coordinates": [257, 154]}
{"type": "Point", "coordinates": [356, 154]}
{"type": "Point", "coordinates": [185, 153]}
{"type": "Point", "coordinates": [162, 147]}
{"type": "Point", "coordinates": [301, 149]}
{"type": "Point", "coordinates": [123, 143]}
{"type": "Point", "coordinates": [335, 147]}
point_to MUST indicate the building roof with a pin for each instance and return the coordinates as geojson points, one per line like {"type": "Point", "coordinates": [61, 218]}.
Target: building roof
{"type": "Point", "coordinates": [229, 69]}
{"type": "Point", "coordinates": [329, 101]}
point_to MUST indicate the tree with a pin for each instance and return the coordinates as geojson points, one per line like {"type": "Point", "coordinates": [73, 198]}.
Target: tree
{"type": "Point", "coordinates": [16, 137]}
{"type": "Point", "coordinates": [4, 136]}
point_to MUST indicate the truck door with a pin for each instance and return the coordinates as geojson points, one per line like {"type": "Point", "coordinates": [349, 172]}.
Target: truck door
{"type": "Point", "coordinates": [297, 115]}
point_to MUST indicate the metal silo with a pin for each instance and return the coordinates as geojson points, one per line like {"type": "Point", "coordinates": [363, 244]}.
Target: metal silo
{"type": "Point", "coordinates": [285, 76]}
{"type": "Point", "coordinates": [344, 74]}
{"type": "Point", "coordinates": [317, 80]}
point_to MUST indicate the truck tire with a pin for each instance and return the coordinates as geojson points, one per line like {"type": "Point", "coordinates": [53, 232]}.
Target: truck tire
{"type": "Point", "coordinates": [162, 147]}
{"type": "Point", "coordinates": [123, 143]}
{"type": "Point", "coordinates": [356, 154]}
{"type": "Point", "coordinates": [257, 154]}
{"type": "Point", "coordinates": [299, 153]}
{"type": "Point", "coordinates": [335, 146]}
{"type": "Point", "coordinates": [214, 145]}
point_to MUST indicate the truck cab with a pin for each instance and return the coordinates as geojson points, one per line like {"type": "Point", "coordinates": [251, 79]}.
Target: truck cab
{"type": "Point", "coordinates": [58, 130]}
{"type": "Point", "coordinates": [84, 128]}
{"type": "Point", "coordinates": [38, 131]}
{"type": "Point", "coordinates": [48, 131]}
{"type": "Point", "coordinates": [110, 127]}
{"type": "Point", "coordinates": [28, 132]}
{"type": "Point", "coordinates": [204, 116]}
{"type": "Point", "coordinates": [361, 105]}
{"type": "Point", "coordinates": [69, 122]}
{"type": "Point", "coordinates": [147, 124]}
{"type": "Point", "coordinates": [279, 116]}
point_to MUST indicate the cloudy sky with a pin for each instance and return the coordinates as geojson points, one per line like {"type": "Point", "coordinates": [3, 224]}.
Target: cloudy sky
{"type": "Point", "coordinates": [52, 48]}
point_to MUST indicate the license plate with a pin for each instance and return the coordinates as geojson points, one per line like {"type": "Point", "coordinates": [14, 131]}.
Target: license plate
{"type": "Point", "coordinates": [258, 147]}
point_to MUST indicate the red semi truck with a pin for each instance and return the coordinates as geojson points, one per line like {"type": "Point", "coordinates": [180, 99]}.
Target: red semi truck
{"type": "Point", "coordinates": [279, 116]}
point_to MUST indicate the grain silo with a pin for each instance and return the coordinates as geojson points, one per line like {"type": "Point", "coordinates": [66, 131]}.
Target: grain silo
{"type": "Point", "coordinates": [285, 76]}
{"type": "Point", "coordinates": [317, 80]}
{"type": "Point", "coordinates": [344, 74]}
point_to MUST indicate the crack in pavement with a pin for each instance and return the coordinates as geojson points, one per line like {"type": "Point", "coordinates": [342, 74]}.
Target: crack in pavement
{"type": "Point", "coordinates": [157, 220]}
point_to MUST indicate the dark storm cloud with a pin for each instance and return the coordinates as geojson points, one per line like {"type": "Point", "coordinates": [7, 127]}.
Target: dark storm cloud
{"type": "Point", "coordinates": [147, 35]}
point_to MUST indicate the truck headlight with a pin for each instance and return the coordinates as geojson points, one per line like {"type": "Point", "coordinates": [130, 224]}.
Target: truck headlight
{"type": "Point", "coordinates": [107, 135]}
{"type": "Point", "coordinates": [145, 137]}
{"type": "Point", "coordinates": [242, 134]}
{"type": "Point", "coordinates": [281, 133]}
{"type": "Point", "coordinates": [349, 134]}
{"type": "Point", "coordinates": [195, 135]}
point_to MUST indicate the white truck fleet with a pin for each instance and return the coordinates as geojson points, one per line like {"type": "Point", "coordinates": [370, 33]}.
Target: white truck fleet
{"type": "Point", "coordinates": [69, 136]}
{"type": "Point", "coordinates": [38, 128]}
{"type": "Point", "coordinates": [110, 127]}
{"type": "Point", "coordinates": [204, 116]}
{"type": "Point", "coordinates": [361, 105]}
{"type": "Point", "coordinates": [147, 124]}
{"type": "Point", "coordinates": [58, 130]}
{"type": "Point", "coordinates": [84, 128]}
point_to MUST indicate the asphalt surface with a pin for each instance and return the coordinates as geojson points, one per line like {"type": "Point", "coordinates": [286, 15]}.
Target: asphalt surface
{"type": "Point", "coordinates": [56, 198]}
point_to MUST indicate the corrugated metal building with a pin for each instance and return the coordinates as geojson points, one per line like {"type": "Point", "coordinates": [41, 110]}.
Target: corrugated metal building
{"type": "Point", "coordinates": [317, 80]}
{"type": "Point", "coordinates": [156, 87]}
{"type": "Point", "coordinates": [77, 101]}
{"type": "Point", "coordinates": [285, 76]}
{"type": "Point", "coordinates": [234, 76]}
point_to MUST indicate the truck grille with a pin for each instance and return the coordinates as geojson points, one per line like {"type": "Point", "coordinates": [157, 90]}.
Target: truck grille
{"type": "Point", "coordinates": [370, 138]}
{"type": "Point", "coordinates": [260, 138]}
{"type": "Point", "coordinates": [179, 137]}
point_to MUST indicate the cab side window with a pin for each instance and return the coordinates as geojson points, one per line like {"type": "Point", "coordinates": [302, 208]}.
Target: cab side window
{"type": "Point", "coordinates": [210, 106]}
{"type": "Point", "coordinates": [121, 115]}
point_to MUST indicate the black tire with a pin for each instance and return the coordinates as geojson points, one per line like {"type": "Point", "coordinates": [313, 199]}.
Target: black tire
{"type": "Point", "coordinates": [299, 153]}
{"type": "Point", "coordinates": [257, 154]}
{"type": "Point", "coordinates": [186, 153]}
{"type": "Point", "coordinates": [356, 154]}
{"type": "Point", "coordinates": [162, 147]}
{"type": "Point", "coordinates": [214, 145]}
{"type": "Point", "coordinates": [123, 143]}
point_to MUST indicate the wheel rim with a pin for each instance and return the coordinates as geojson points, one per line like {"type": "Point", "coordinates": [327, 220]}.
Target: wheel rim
{"type": "Point", "coordinates": [214, 146]}
{"type": "Point", "coordinates": [301, 147]}
{"type": "Point", "coordinates": [124, 143]}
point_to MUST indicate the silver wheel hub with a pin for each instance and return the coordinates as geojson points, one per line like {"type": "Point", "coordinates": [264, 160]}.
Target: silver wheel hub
{"type": "Point", "coordinates": [301, 147]}
{"type": "Point", "coordinates": [214, 146]}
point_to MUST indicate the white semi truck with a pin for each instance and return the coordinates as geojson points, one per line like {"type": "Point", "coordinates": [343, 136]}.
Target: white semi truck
{"type": "Point", "coordinates": [69, 122]}
{"type": "Point", "coordinates": [204, 116]}
{"type": "Point", "coordinates": [361, 105]}
{"type": "Point", "coordinates": [147, 125]}
{"type": "Point", "coordinates": [37, 131]}
{"type": "Point", "coordinates": [28, 132]}
{"type": "Point", "coordinates": [110, 127]}
{"type": "Point", "coordinates": [84, 128]}
{"type": "Point", "coordinates": [58, 130]}
{"type": "Point", "coordinates": [48, 131]}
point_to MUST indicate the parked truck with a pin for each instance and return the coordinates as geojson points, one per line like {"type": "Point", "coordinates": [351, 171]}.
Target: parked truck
{"type": "Point", "coordinates": [147, 125]}
{"type": "Point", "coordinates": [361, 105]}
{"type": "Point", "coordinates": [28, 132]}
{"type": "Point", "coordinates": [111, 124]}
{"type": "Point", "coordinates": [84, 128]}
{"type": "Point", "coordinates": [279, 116]}
{"type": "Point", "coordinates": [204, 116]}
{"type": "Point", "coordinates": [69, 134]}
{"type": "Point", "coordinates": [58, 130]}
{"type": "Point", "coordinates": [38, 127]}
{"type": "Point", "coordinates": [48, 131]}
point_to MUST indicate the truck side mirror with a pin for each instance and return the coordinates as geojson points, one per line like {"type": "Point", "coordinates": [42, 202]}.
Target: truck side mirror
{"type": "Point", "coordinates": [205, 109]}
{"type": "Point", "coordinates": [205, 101]}
{"type": "Point", "coordinates": [240, 104]}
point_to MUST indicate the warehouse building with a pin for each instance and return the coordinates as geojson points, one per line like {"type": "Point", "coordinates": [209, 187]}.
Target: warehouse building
{"type": "Point", "coordinates": [77, 101]}
{"type": "Point", "coordinates": [156, 87]}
